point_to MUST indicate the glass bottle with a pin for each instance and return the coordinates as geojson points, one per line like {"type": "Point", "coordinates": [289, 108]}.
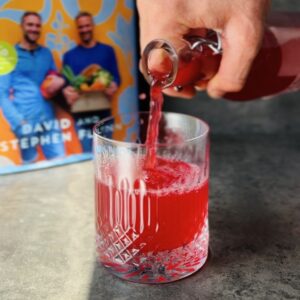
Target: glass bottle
{"type": "Point", "coordinates": [276, 68]}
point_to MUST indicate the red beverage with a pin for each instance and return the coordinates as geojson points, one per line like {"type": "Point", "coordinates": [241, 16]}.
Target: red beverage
{"type": "Point", "coordinates": [151, 206]}
{"type": "Point", "coordinates": [161, 209]}
{"type": "Point", "coordinates": [153, 127]}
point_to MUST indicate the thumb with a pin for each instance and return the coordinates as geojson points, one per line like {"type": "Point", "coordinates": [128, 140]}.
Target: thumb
{"type": "Point", "coordinates": [241, 42]}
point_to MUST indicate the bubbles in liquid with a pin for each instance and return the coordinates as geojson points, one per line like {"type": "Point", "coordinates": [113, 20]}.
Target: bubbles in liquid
{"type": "Point", "coordinates": [171, 176]}
{"type": "Point", "coordinates": [168, 176]}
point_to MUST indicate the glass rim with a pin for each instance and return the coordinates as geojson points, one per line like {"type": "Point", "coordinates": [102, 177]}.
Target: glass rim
{"type": "Point", "coordinates": [135, 144]}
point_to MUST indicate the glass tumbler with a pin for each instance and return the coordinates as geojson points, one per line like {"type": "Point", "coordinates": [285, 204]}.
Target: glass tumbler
{"type": "Point", "coordinates": [152, 223]}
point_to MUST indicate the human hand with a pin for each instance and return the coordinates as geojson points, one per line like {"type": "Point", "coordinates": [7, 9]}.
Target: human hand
{"type": "Point", "coordinates": [71, 94]}
{"type": "Point", "coordinates": [241, 24]}
{"type": "Point", "coordinates": [56, 84]}
{"type": "Point", "coordinates": [111, 89]}
{"type": "Point", "coordinates": [52, 85]}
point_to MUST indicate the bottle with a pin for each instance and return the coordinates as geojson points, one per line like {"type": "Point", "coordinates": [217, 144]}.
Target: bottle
{"type": "Point", "coordinates": [276, 68]}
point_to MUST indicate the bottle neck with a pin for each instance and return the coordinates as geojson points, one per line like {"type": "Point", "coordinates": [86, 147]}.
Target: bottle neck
{"type": "Point", "coordinates": [165, 72]}
{"type": "Point", "coordinates": [274, 70]}
{"type": "Point", "coordinates": [161, 62]}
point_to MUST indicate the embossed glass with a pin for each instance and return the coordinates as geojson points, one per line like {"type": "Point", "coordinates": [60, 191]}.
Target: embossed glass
{"type": "Point", "coordinates": [152, 223]}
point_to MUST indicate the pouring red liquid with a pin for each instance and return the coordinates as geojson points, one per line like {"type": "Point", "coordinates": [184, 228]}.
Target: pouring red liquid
{"type": "Point", "coordinates": [276, 69]}
{"type": "Point", "coordinates": [152, 212]}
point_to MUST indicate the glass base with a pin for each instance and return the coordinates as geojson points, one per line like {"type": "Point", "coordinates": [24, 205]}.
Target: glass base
{"type": "Point", "coordinates": [164, 266]}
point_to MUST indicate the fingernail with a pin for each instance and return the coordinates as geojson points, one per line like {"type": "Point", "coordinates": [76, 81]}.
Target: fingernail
{"type": "Point", "coordinates": [199, 88]}
{"type": "Point", "coordinates": [178, 88]}
{"type": "Point", "coordinates": [215, 93]}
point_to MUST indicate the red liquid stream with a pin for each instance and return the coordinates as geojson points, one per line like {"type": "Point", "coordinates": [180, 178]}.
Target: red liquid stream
{"type": "Point", "coordinates": [156, 101]}
{"type": "Point", "coordinates": [164, 208]}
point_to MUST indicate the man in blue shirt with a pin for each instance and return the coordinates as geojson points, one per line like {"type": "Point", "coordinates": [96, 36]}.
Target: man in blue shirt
{"type": "Point", "coordinates": [90, 53]}
{"type": "Point", "coordinates": [30, 116]}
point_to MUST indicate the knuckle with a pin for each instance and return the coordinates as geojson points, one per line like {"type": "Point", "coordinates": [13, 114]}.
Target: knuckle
{"type": "Point", "coordinates": [252, 30]}
{"type": "Point", "coordinates": [232, 85]}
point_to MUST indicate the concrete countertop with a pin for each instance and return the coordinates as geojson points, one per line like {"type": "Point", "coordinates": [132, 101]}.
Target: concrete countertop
{"type": "Point", "coordinates": [47, 230]}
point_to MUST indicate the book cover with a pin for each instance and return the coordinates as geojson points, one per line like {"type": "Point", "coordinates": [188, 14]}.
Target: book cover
{"type": "Point", "coordinates": [55, 85]}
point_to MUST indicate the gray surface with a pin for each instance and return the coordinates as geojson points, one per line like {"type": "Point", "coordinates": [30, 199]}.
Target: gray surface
{"type": "Point", "coordinates": [47, 232]}
{"type": "Point", "coordinates": [285, 5]}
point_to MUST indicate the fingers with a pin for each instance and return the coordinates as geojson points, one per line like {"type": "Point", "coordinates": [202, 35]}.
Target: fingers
{"type": "Point", "coordinates": [56, 84]}
{"type": "Point", "coordinates": [241, 42]}
{"type": "Point", "coordinates": [152, 26]}
{"type": "Point", "coordinates": [201, 85]}
{"type": "Point", "coordinates": [71, 89]}
{"type": "Point", "coordinates": [70, 94]}
{"type": "Point", "coordinates": [186, 92]}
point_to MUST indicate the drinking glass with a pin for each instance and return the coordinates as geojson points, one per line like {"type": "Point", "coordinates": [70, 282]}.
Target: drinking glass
{"type": "Point", "coordinates": [152, 223]}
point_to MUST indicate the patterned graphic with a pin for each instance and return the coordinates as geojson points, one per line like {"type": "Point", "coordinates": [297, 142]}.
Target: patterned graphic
{"type": "Point", "coordinates": [114, 26]}
{"type": "Point", "coordinates": [14, 14]}
{"type": "Point", "coordinates": [58, 41]}
{"type": "Point", "coordinates": [128, 45]}
{"type": "Point", "coordinates": [106, 10]}
{"type": "Point", "coordinates": [8, 58]}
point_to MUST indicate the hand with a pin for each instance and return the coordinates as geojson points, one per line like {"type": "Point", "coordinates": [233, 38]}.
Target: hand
{"type": "Point", "coordinates": [57, 83]}
{"type": "Point", "coordinates": [241, 24]}
{"type": "Point", "coordinates": [71, 94]}
{"type": "Point", "coordinates": [52, 85]}
{"type": "Point", "coordinates": [111, 89]}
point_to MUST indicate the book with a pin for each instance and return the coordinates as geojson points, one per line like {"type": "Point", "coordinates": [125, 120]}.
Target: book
{"type": "Point", "coordinates": [46, 53]}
